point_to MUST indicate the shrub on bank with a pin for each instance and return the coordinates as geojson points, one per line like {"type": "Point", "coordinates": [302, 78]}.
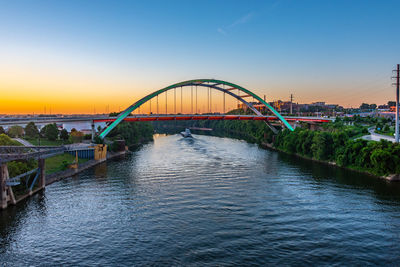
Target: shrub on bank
{"type": "Point", "coordinates": [379, 158]}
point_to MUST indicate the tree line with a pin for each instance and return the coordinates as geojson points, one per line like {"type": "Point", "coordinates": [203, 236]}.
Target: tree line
{"type": "Point", "coordinates": [134, 134]}
{"type": "Point", "coordinates": [49, 132]}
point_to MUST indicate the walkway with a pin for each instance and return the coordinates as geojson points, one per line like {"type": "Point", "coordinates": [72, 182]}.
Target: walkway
{"type": "Point", "coordinates": [377, 137]}
{"type": "Point", "coordinates": [22, 141]}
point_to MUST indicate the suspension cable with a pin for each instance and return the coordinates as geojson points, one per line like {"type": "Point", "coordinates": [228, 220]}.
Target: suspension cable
{"type": "Point", "coordinates": [181, 101]}
{"type": "Point", "coordinates": [208, 99]}
{"type": "Point", "coordinates": [175, 100]}
{"type": "Point", "coordinates": [191, 97]}
{"type": "Point", "coordinates": [196, 100]}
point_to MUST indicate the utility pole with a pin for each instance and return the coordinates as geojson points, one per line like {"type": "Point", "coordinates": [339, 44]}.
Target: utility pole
{"type": "Point", "coordinates": [291, 103]}
{"type": "Point", "coordinates": [397, 102]}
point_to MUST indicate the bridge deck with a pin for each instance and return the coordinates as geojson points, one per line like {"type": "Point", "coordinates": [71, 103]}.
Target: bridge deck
{"type": "Point", "coordinates": [213, 117]}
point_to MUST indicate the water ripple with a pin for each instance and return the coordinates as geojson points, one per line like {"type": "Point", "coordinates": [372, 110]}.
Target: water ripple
{"type": "Point", "coordinates": [206, 201]}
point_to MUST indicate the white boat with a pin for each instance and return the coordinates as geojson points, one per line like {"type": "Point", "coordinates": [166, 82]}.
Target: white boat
{"type": "Point", "coordinates": [186, 133]}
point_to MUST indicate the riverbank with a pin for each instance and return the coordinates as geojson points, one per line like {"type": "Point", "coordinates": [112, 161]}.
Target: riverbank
{"type": "Point", "coordinates": [390, 178]}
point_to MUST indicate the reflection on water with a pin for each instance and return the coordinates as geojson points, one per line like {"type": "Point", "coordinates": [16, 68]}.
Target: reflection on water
{"type": "Point", "coordinates": [206, 201]}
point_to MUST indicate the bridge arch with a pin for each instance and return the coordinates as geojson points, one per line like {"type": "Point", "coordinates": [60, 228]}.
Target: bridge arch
{"type": "Point", "coordinates": [211, 83]}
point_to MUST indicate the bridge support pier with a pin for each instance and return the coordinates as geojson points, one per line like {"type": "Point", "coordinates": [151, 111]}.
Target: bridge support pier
{"type": "Point", "coordinates": [6, 193]}
{"type": "Point", "coordinates": [42, 174]}
{"type": "Point", "coordinates": [3, 187]}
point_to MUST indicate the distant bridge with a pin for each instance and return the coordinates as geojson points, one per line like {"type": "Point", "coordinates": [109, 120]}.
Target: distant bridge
{"type": "Point", "coordinates": [23, 121]}
{"type": "Point", "coordinates": [226, 88]}
{"type": "Point", "coordinates": [188, 117]}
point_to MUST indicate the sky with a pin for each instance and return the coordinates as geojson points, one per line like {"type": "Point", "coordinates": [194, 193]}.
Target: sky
{"type": "Point", "coordinates": [97, 56]}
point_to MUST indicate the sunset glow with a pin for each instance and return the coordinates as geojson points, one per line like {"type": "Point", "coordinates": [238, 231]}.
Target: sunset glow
{"type": "Point", "coordinates": [75, 57]}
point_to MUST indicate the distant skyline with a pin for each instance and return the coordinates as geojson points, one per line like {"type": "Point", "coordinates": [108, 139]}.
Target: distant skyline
{"type": "Point", "coordinates": [77, 56]}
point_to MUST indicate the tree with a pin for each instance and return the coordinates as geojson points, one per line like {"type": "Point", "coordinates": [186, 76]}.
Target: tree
{"type": "Point", "coordinates": [31, 130]}
{"type": "Point", "coordinates": [50, 131]}
{"type": "Point", "coordinates": [386, 128]}
{"type": "Point", "coordinates": [76, 136]}
{"type": "Point", "coordinates": [64, 134]}
{"type": "Point", "coordinates": [322, 146]}
{"type": "Point", "coordinates": [98, 140]}
{"type": "Point", "coordinates": [379, 126]}
{"type": "Point", "coordinates": [382, 161]}
{"type": "Point", "coordinates": [15, 131]}
{"type": "Point", "coordinates": [367, 106]}
{"type": "Point", "coordinates": [2, 131]}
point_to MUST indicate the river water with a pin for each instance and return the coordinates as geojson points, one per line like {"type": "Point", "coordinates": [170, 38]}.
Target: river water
{"type": "Point", "coordinates": [206, 201]}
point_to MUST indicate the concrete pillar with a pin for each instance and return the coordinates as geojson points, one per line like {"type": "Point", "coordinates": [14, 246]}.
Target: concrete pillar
{"type": "Point", "coordinates": [42, 174]}
{"type": "Point", "coordinates": [3, 187]}
{"type": "Point", "coordinates": [93, 131]}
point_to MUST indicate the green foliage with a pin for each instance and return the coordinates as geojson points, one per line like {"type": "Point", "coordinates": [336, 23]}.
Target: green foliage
{"type": "Point", "coordinates": [61, 162]}
{"type": "Point", "coordinates": [31, 130]}
{"type": "Point", "coordinates": [21, 166]}
{"type": "Point", "coordinates": [380, 158]}
{"type": "Point", "coordinates": [5, 140]}
{"type": "Point", "coordinates": [133, 133]}
{"type": "Point", "coordinates": [322, 144]}
{"type": "Point", "coordinates": [365, 106]}
{"type": "Point", "coordinates": [16, 167]}
{"type": "Point", "coordinates": [64, 165]}
{"type": "Point", "coordinates": [76, 136]}
{"type": "Point", "coordinates": [2, 131]}
{"type": "Point", "coordinates": [386, 128]}
{"type": "Point", "coordinates": [50, 131]}
{"type": "Point", "coordinates": [114, 146]}
{"type": "Point", "coordinates": [64, 134]}
{"type": "Point", "coordinates": [15, 131]}
{"type": "Point", "coordinates": [98, 140]}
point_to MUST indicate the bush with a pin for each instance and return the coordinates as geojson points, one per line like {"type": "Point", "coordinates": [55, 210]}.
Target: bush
{"type": "Point", "coordinates": [380, 158]}
{"type": "Point", "coordinates": [50, 131]}
{"type": "Point", "coordinates": [98, 140]}
{"type": "Point", "coordinates": [16, 131]}
{"type": "Point", "coordinates": [5, 140]}
{"type": "Point", "coordinates": [76, 136]}
{"type": "Point", "coordinates": [64, 134]}
{"type": "Point", "coordinates": [31, 130]}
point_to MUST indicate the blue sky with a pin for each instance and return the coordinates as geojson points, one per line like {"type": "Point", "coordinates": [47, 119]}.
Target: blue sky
{"type": "Point", "coordinates": [339, 51]}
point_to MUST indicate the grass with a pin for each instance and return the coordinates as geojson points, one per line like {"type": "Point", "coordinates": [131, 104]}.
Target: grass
{"type": "Point", "coordinates": [46, 142]}
{"type": "Point", "coordinates": [358, 135]}
{"type": "Point", "coordinates": [60, 162]}
{"type": "Point", "coordinates": [391, 133]}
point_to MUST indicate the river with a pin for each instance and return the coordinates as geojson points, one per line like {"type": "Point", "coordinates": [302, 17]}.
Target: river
{"type": "Point", "coordinates": [206, 201]}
